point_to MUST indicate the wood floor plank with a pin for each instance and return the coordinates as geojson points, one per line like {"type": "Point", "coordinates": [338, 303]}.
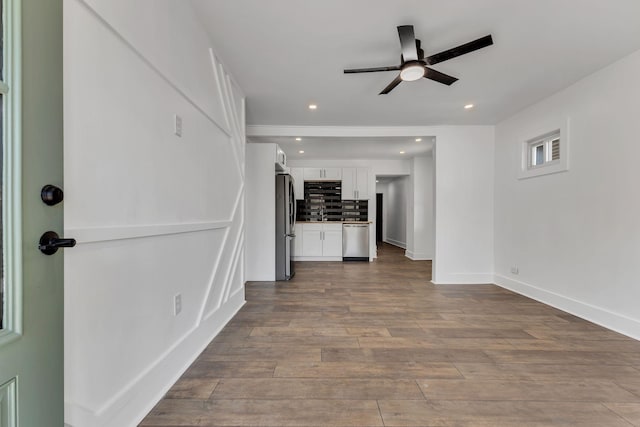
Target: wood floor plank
{"type": "Point", "coordinates": [192, 388]}
{"type": "Point", "coordinates": [366, 370]}
{"type": "Point", "coordinates": [304, 388]}
{"type": "Point", "coordinates": [551, 391]}
{"type": "Point", "coordinates": [493, 414]}
{"type": "Point", "coordinates": [359, 344]}
{"type": "Point", "coordinates": [628, 411]}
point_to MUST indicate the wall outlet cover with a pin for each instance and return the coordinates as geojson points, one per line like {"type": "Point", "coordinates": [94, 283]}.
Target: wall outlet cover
{"type": "Point", "coordinates": [177, 125]}
{"type": "Point", "coordinates": [177, 304]}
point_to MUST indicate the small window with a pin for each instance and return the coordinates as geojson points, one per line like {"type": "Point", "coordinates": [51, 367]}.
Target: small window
{"type": "Point", "coordinates": [546, 154]}
{"type": "Point", "coordinates": [543, 152]}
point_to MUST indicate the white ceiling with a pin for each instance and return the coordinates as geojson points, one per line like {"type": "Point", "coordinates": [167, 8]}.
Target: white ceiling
{"type": "Point", "coordinates": [286, 54]}
{"type": "Point", "coordinates": [351, 148]}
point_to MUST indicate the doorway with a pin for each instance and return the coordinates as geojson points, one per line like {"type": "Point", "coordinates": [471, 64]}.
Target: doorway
{"type": "Point", "coordinates": [379, 217]}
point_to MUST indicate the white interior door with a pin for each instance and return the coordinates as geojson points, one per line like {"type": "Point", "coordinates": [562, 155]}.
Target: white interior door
{"type": "Point", "coordinates": [31, 333]}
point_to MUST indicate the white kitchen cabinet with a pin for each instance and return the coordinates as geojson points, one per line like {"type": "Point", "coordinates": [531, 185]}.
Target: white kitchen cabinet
{"type": "Point", "coordinates": [355, 183]}
{"type": "Point", "coordinates": [322, 174]}
{"type": "Point", "coordinates": [319, 242]}
{"type": "Point", "coordinates": [312, 174]}
{"type": "Point", "coordinates": [298, 182]}
{"type": "Point", "coordinates": [332, 174]}
{"type": "Point", "coordinates": [332, 240]}
{"type": "Point", "coordinates": [311, 240]}
{"type": "Point", "coordinates": [298, 240]}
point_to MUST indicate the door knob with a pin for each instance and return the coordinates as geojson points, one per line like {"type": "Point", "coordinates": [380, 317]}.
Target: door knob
{"type": "Point", "coordinates": [51, 195]}
{"type": "Point", "coordinates": [50, 242]}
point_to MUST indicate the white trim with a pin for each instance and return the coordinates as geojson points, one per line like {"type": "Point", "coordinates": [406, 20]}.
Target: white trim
{"type": "Point", "coordinates": [418, 256]}
{"type": "Point", "coordinates": [12, 172]}
{"type": "Point", "coordinates": [394, 242]}
{"type": "Point", "coordinates": [562, 165]}
{"type": "Point", "coordinates": [464, 279]}
{"type": "Point", "coordinates": [598, 315]}
{"type": "Point", "coordinates": [105, 234]}
{"type": "Point", "coordinates": [354, 131]}
{"type": "Point", "coordinates": [317, 258]}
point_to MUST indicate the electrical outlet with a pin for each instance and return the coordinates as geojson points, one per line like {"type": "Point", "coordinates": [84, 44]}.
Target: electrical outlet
{"type": "Point", "coordinates": [177, 304]}
{"type": "Point", "coordinates": [514, 270]}
{"type": "Point", "coordinates": [177, 125]}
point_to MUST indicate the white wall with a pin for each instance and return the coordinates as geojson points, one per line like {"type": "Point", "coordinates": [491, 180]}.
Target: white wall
{"type": "Point", "coordinates": [260, 239]}
{"type": "Point", "coordinates": [155, 215]}
{"type": "Point", "coordinates": [420, 224]}
{"type": "Point", "coordinates": [396, 205]}
{"type": "Point", "coordinates": [463, 160]}
{"type": "Point", "coordinates": [575, 236]}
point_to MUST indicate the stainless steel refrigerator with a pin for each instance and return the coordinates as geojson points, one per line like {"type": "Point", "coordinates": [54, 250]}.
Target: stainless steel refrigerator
{"type": "Point", "coordinates": [285, 226]}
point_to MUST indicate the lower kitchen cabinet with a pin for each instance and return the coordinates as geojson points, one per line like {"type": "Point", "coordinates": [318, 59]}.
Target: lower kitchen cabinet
{"type": "Point", "coordinates": [298, 241]}
{"type": "Point", "coordinates": [319, 242]}
{"type": "Point", "coordinates": [332, 240]}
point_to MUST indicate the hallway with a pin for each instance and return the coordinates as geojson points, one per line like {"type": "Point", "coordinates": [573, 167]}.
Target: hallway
{"type": "Point", "coordinates": [372, 344]}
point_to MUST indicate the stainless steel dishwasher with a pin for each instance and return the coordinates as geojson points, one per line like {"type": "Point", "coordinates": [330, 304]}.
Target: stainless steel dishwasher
{"type": "Point", "coordinates": [355, 242]}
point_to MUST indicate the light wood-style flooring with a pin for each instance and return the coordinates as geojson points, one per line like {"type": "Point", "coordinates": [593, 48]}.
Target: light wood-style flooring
{"type": "Point", "coordinates": [376, 344]}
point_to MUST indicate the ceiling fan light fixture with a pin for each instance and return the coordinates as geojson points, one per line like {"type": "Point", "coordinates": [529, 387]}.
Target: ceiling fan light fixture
{"type": "Point", "coordinates": [411, 72]}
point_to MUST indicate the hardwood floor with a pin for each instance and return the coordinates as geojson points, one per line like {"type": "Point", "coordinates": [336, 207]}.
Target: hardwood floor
{"type": "Point", "coordinates": [376, 344]}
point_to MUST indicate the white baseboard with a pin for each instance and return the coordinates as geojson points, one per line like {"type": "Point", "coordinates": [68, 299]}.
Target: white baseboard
{"type": "Point", "coordinates": [397, 243]}
{"type": "Point", "coordinates": [317, 258]}
{"type": "Point", "coordinates": [130, 407]}
{"type": "Point", "coordinates": [462, 279]}
{"type": "Point", "coordinates": [598, 315]}
{"type": "Point", "coordinates": [418, 256]}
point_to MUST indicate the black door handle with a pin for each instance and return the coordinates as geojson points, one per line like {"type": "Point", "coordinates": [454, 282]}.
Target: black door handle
{"type": "Point", "coordinates": [50, 242]}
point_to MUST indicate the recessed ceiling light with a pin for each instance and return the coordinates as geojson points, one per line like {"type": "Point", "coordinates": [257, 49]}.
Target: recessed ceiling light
{"type": "Point", "coordinates": [301, 151]}
{"type": "Point", "coordinates": [298, 139]}
{"type": "Point", "coordinates": [313, 107]}
{"type": "Point", "coordinates": [418, 139]}
{"type": "Point", "coordinates": [402, 152]}
{"type": "Point", "coordinates": [468, 106]}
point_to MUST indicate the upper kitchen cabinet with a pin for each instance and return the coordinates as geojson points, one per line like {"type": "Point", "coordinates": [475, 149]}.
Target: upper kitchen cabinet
{"type": "Point", "coordinates": [322, 174]}
{"type": "Point", "coordinates": [298, 182]}
{"type": "Point", "coordinates": [355, 183]}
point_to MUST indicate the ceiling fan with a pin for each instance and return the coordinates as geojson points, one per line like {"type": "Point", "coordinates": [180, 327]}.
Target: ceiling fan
{"type": "Point", "coordinates": [413, 64]}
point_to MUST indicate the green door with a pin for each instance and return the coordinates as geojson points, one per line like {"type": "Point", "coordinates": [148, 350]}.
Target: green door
{"type": "Point", "coordinates": [31, 332]}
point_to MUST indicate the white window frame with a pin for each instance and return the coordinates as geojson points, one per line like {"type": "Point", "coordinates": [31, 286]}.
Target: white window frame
{"type": "Point", "coordinates": [10, 88]}
{"type": "Point", "coordinates": [528, 170]}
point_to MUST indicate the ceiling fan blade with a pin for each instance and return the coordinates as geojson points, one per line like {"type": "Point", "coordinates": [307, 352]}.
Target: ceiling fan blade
{"type": "Point", "coordinates": [408, 43]}
{"type": "Point", "coordinates": [372, 70]}
{"type": "Point", "coordinates": [460, 50]}
{"type": "Point", "coordinates": [391, 86]}
{"type": "Point", "coordinates": [439, 77]}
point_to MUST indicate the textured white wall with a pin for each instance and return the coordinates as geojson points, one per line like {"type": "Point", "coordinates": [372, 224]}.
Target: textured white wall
{"type": "Point", "coordinates": [575, 236]}
{"type": "Point", "coordinates": [420, 224]}
{"type": "Point", "coordinates": [397, 204]}
{"type": "Point", "coordinates": [260, 199]}
{"type": "Point", "coordinates": [154, 214]}
{"type": "Point", "coordinates": [463, 159]}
